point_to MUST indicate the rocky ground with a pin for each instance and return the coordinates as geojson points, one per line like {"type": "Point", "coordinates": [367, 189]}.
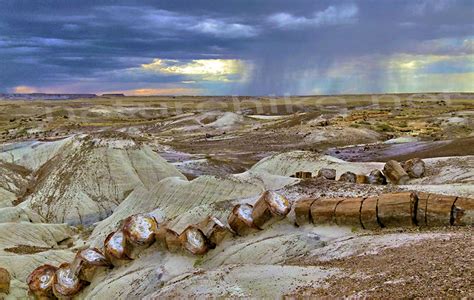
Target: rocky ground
{"type": "Point", "coordinates": [71, 171]}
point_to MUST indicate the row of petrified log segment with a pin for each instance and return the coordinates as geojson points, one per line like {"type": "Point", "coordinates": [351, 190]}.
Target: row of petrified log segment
{"type": "Point", "coordinates": [140, 231]}
{"type": "Point", "coordinates": [387, 210]}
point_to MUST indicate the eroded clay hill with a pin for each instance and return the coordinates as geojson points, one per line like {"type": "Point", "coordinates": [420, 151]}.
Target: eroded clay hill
{"type": "Point", "coordinates": [87, 176]}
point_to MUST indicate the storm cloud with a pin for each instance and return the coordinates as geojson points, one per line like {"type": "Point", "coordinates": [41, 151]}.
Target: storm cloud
{"type": "Point", "coordinates": [239, 47]}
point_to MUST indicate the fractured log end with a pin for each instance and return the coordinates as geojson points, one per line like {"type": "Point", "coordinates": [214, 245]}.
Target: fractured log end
{"type": "Point", "coordinates": [326, 173]}
{"type": "Point", "coordinates": [439, 210]}
{"type": "Point", "coordinates": [270, 205]}
{"type": "Point", "coordinates": [214, 230]}
{"type": "Point", "coordinates": [463, 212]}
{"type": "Point", "coordinates": [240, 219]}
{"type": "Point", "coordinates": [348, 177]}
{"type": "Point", "coordinates": [65, 283]}
{"type": "Point", "coordinates": [40, 282]}
{"type": "Point", "coordinates": [194, 241]}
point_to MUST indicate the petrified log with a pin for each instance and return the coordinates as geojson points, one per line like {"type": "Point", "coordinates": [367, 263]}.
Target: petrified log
{"type": "Point", "coordinates": [414, 167]}
{"type": "Point", "coordinates": [214, 230]}
{"type": "Point", "coordinates": [303, 175]}
{"type": "Point", "coordinates": [329, 174]}
{"type": "Point", "coordinates": [303, 211]}
{"type": "Point", "coordinates": [368, 213]}
{"type": "Point", "coordinates": [348, 212]}
{"type": "Point", "coordinates": [4, 281]}
{"type": "Point", "coordinates": [140, 229]}
{"type": "Point", "coordinates": [65, 283]}
{"type": "Point", "coordinates": [439, 210]}
{"type": "Point", "coordinates": [376, 177]}
{"type": "Point", "coordinates": [397, 209]}
{"type": "Point", "coordinates": [169, 239]}
{"type": "Point", "coordinates": [194, 241]}
{"type": "Point", "coordinates": [394, 171]}
{"type": "Point", "coordinates": [40, 282]}
{"type": "Point", "coordinates": [270, 205]}
{"type": "Point", "coordinates": [421, 216]}
{"type": "Point", "coordinates": [87, 262]}
{"type": "Point", "coordinates": [463, 212]}
{"type": "Point", "coordinates": [323, 210]}
{"type": "Point", "coordinates": [116, 248]}
{"type": "Point", "coordinates": [240, 219]}
{"type": "Point", "coordinates": [362, 179]}
{"type": "Point", "coordinates": [348, 177]}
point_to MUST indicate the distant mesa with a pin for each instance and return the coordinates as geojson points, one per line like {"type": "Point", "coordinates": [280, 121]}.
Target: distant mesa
{"type": "Point", "coordinates": [44, 96]}
{"type": "Point", "coordinates": [113, 95]}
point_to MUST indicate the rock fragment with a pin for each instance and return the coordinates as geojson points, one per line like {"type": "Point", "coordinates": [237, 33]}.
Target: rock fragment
{"type": "Point", "coordinates": [116, 247]}
{"type": "Point", "coordinates": [194, 241]}
{"type": "Point", "coordinates": [326, 173]}
{"type": "Point", "coordinates": [87, 262]}
{"type": "Point", "coordinates": [65, 283]}
{"type": "Point", "coordinates": [376, 177]}
{"type": "Point", "coordinates": [348, 177]}
{"type": "Point", "coordinates": [415, 167]}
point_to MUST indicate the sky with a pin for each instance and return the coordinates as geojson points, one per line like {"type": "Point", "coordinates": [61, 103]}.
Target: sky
{"type": "Point", "coordinates": [236, 47]}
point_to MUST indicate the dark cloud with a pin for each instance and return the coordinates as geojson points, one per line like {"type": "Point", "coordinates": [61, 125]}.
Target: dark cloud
{"type": "Point", "coordinates": [296, 47]}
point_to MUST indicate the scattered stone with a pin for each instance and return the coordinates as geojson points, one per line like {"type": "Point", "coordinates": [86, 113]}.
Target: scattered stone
{"type": "Point", "coordinates": [329, 174]}
{"type": "Point", "coordinates": [414, 167]}
{"type": "Point", "coordinates": [4, 281]}
{"type": "Point", "coordinates": [348, 177]}
{"type": "Point", "coordinates": [376, 177]}
{"type": "Point", "coordinates": [395, 173]}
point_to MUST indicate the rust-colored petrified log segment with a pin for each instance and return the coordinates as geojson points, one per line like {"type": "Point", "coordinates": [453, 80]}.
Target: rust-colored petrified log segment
{"type": "Point", "coordinates": [270, 205]}
{"type": "Point", "coordinates": [397, 209]}
{"type": "Point", "coordinates": [394, 171]}
{"type": "Point", "coordinates": [240, 219]}
{"type": "Point", "coordinates": [168, 239]}
{"type": "Point", "coordinates": [439, 210]}
{"type": "Point", "coordinates": [303, 211]}
{"type": "Point", "coordinates": [194, 241]}
{"type": "Point", "coordinates": [463, 212]}
{"type": "Point", "coordinates": [4, 281]}
{"type": "Point", "coordinates": [214, 230]}
{"type": "Point", "coordinates": [348, 212]}
{"type": "Point", "coordinates": [368, 213]}
{"type": "Point", "coordinates": [65, 283]}
{"type": "Point", "coordinates": [323, 210]}
{"type": "Point", "coordinates": [40, 282]}
{"type": "Point", "coordinates": [362, 179]}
